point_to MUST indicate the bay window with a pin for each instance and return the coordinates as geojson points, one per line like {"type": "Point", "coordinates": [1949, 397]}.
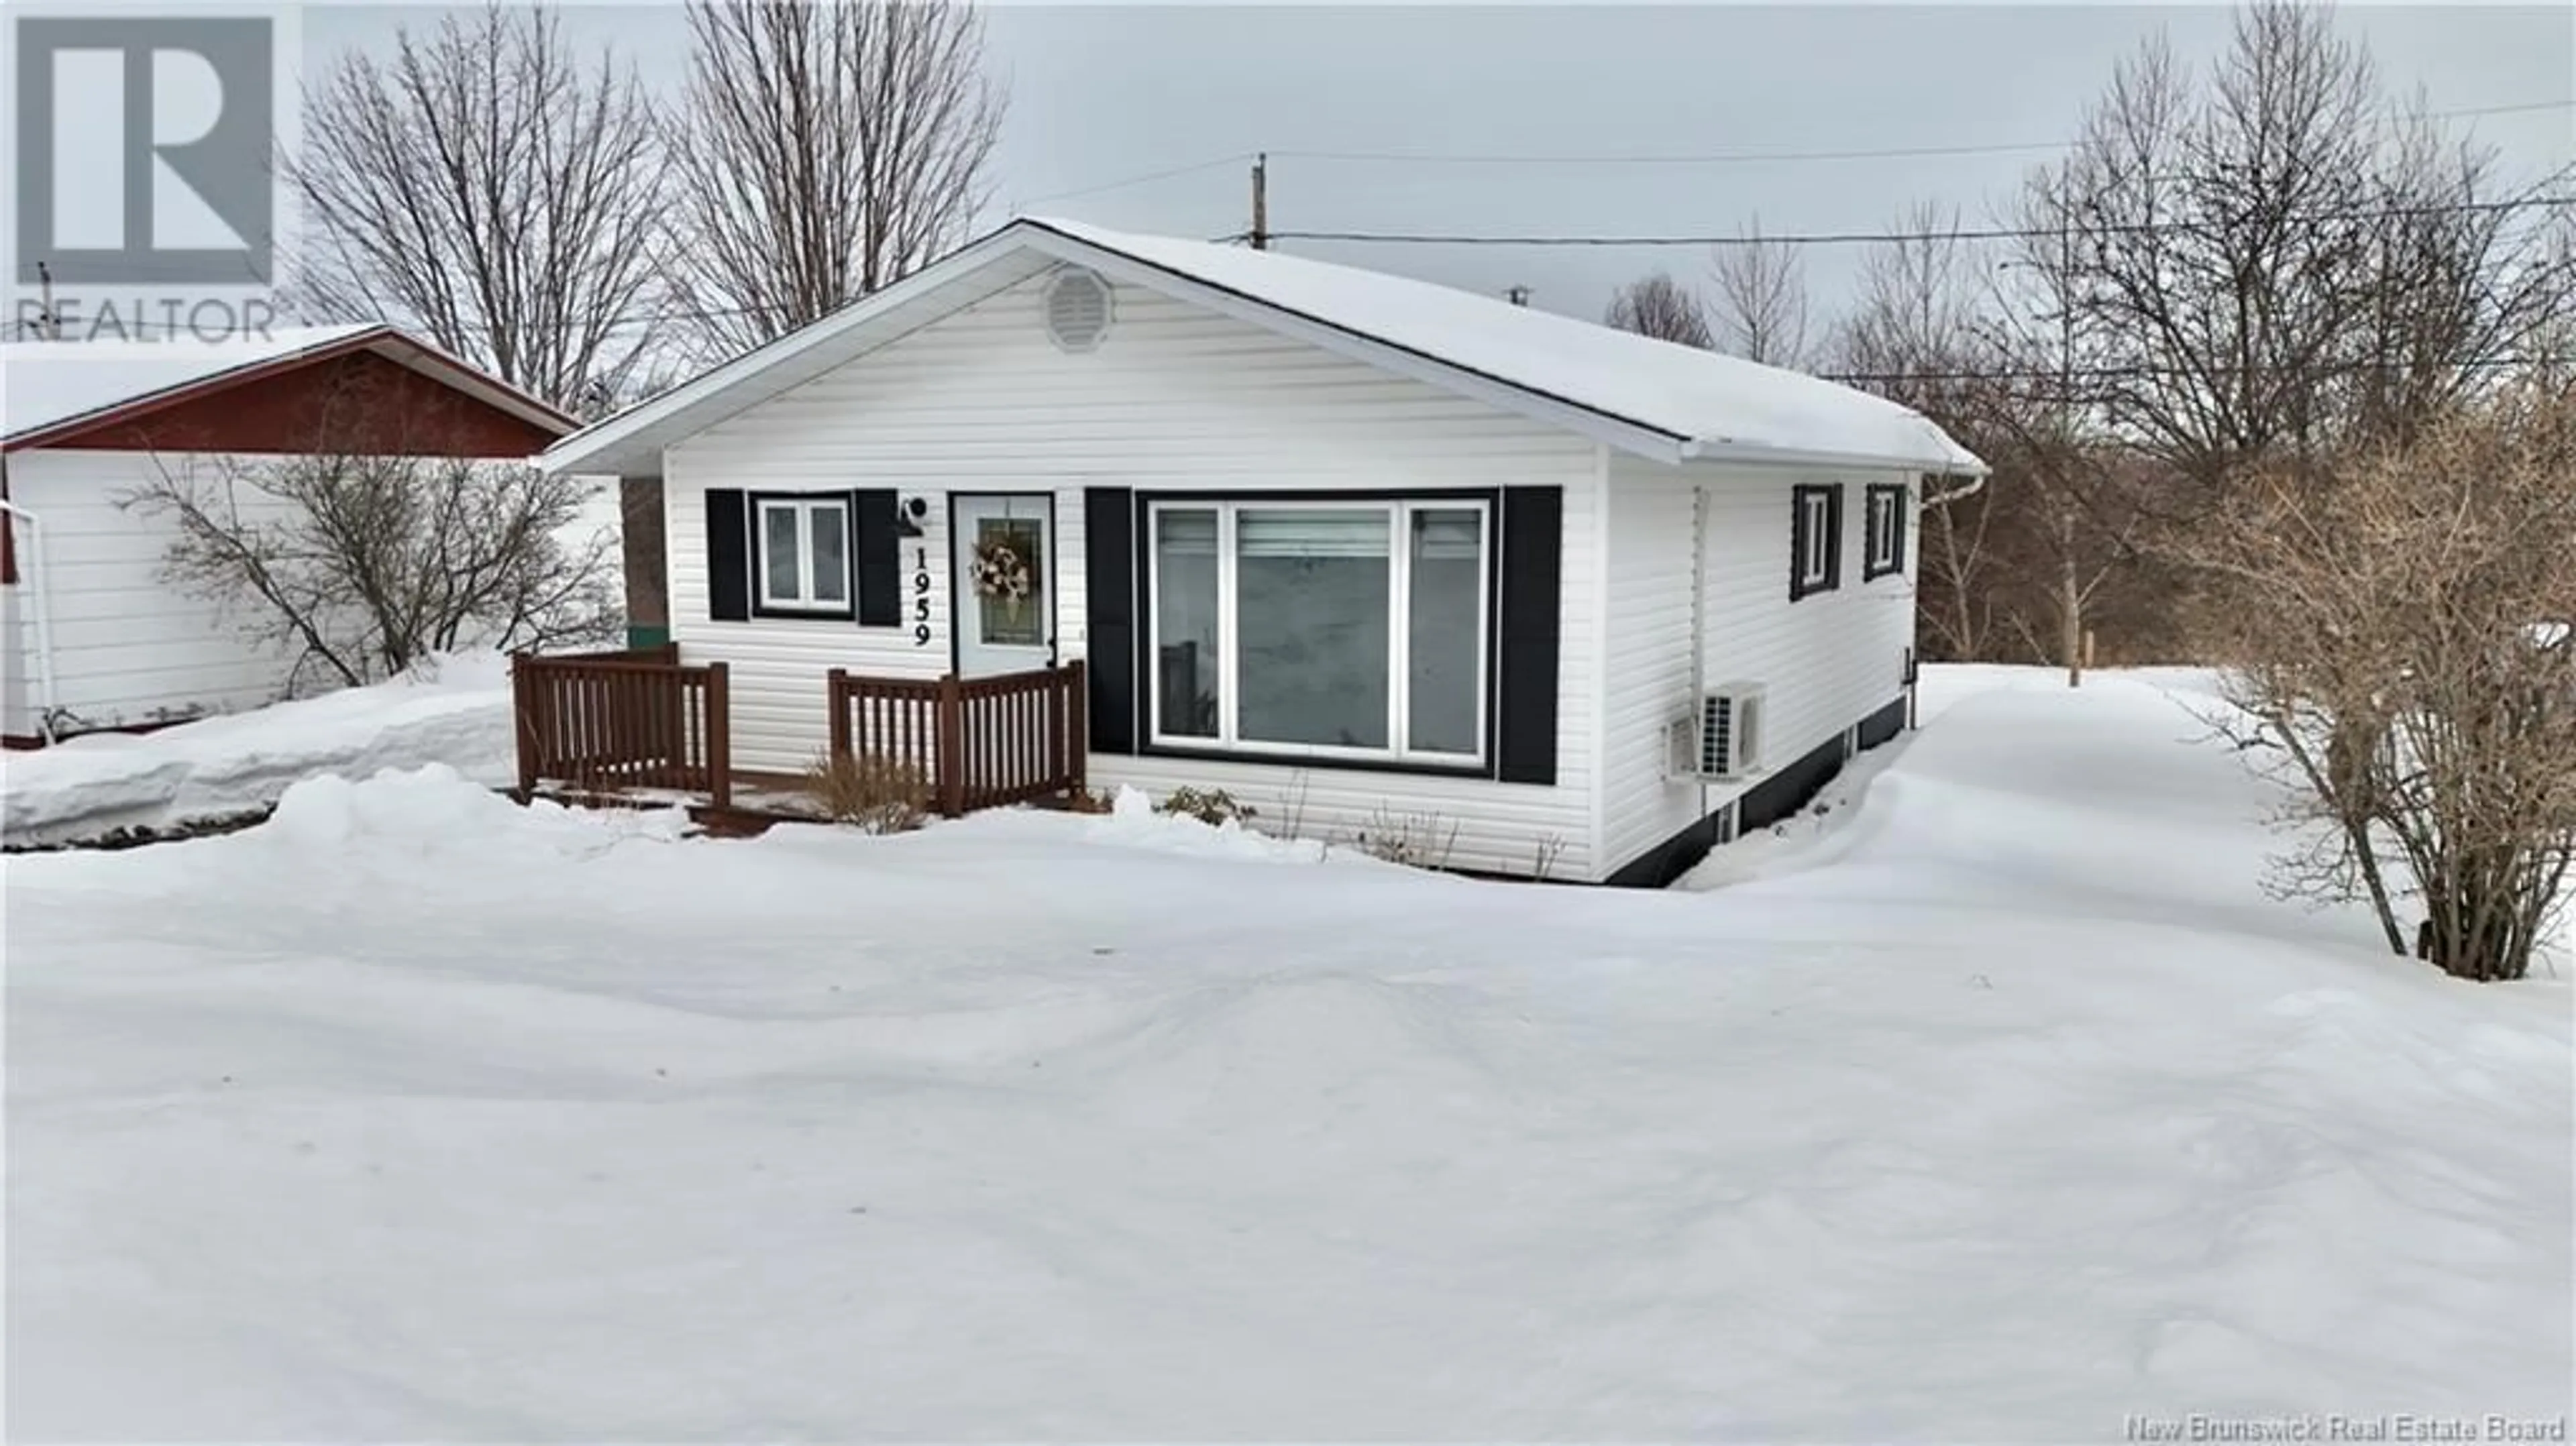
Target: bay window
{"type": "Point", "coordinates": [1354, 628]}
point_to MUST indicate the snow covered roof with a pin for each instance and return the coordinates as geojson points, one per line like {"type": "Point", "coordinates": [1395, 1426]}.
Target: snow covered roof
{"type": "Point", "coordinates": [1657, 399]}
{"type": "Point", "coordinates": [49, 389]}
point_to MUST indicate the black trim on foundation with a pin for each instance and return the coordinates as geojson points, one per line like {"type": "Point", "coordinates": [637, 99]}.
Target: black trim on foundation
{"type": "Point", "coordinates": [1780, 794]}
{"type": "Point", "coordinates": [1882, 725]}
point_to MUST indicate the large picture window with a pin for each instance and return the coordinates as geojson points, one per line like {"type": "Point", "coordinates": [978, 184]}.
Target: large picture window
{"type": "Point", "coordinates": [804, 546]}
{"type": "Point", "coordinates": [1345, 628]}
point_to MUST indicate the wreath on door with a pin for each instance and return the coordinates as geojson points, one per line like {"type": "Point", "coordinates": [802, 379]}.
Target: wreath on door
{"type": "Point", "coordinates": [1001, 573]}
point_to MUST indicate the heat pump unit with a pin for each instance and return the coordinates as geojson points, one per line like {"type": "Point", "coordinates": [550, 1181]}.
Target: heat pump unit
{"type": "Point", "coordinates": [1723, 739]}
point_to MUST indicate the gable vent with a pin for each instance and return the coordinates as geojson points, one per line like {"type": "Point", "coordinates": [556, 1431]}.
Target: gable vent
{"type": "Point", "coordinates": [1077, 310]}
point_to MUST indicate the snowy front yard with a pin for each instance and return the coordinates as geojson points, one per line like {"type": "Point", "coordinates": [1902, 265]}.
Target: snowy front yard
{"type": "Point", "coordinates": [454, 710]}
{"type": "Point", "coordinates": [2010, 1111]}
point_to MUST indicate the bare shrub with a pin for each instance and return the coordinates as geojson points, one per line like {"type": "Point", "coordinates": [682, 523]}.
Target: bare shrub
{"type": "Point", "coordinates": [1544, 856]}
{"type": "Point", "coordinates": [1211, 806]}
{"type": "Point", "coordinates": [873, 794]}
{"type": "Point", "coordinates": [1416, 840]}
{"type": "Point", "coordinates": [2395, 620]}
{"type": "Point", "coordinates": [366, 565]}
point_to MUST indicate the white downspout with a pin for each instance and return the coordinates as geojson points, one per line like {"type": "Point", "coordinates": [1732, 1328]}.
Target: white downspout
{"type": "Point", "coordinates": [1699, 628]}
{"type": "Point", "coordinates": [1976, 484]}
{"type": "Point", "coordinates": [35, 568]}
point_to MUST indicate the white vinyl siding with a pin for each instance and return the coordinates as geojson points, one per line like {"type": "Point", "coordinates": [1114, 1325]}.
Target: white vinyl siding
{"type": "Point", "coordinates": [1824, 662]}
{"type": "Point", "coordinates": [1175, 399]}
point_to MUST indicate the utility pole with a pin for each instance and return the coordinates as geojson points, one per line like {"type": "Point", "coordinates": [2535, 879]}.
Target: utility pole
{"type": "Point", "coordinates": [2070, 591]}
{"type": "Point", "coordinates": [1261, 201]}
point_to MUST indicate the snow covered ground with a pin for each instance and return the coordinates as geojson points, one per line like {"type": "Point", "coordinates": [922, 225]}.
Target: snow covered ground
{"type": "Point", "coordinates": [2016, 1113]}
{"type": "Point", "coordinates": [454, 711]}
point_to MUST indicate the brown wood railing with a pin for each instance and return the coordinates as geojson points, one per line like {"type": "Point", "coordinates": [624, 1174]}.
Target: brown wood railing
{"type": "Point", "coordinates": [982, 742]}
{"type": "Point", "coordinates": [601, 722]}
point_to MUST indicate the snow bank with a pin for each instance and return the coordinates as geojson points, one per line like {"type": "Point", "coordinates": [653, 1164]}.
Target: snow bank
{"type": "Point", "coordinates": [2024, 1116]}
{"type": "Point", "coordinates": [454, 711]}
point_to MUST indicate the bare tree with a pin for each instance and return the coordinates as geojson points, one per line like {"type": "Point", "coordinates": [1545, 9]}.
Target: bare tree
{"type": "Point", "coordinates": [485, 186]}
{"type": "Point", "coordinates": [366, 565]}
{"type": "Point", "coordinates": [1917, 334]}
{"type": "Point", "coordinates": [2263, 262]}
{"type": "Point", "coordinates": [2395, 619]}
{"type": "Point", "coordinates": [1658, 306]}
{"type": "Point", "coordinates": [823, 151]}
{"type": "Point", "coordinates": [1761, 300]}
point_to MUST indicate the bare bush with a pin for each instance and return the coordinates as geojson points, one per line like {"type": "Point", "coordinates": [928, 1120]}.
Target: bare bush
{"type": "Point", "coordinates": [1416, 840]}
{"type": "Point", "coordinates": [1658, 306]}
{"type": "Point", "coordinates": [871, 793]}
{"type": "Point", "coordinates": [1544, 854]}
{"type": "Point", "coordinates": [1211, 806]}
{"type": "Point", "coordinates": [366, 565]}
{"type": "Point", "coordinates": [484, 186]}
{"type": "Point", "coordinates": [823, 152]}
{"type": "Point", "coordinates": [2395, 620]}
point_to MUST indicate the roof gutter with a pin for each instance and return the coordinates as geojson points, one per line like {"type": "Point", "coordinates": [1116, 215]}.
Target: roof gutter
{"type": "Point", "coordinates": [1706, 449]}
{"type": "Point", "coordinates": [1975, 484]}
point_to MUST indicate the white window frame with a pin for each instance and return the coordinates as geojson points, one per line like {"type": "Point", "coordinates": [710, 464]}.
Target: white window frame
{"type": "Point", "coordinates": [1816, 563]}
{"type": "Point", "coordinates": [1400, 513]}
{"type": "Point", "coordinates": [807, 598]}
{"type": "Point", "coordinates": [1886, 508]}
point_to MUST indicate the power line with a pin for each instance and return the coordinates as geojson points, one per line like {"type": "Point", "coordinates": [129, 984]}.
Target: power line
{"type": "Point", "coordinates": [1137, 180]}
{"type": "Point", "coordinates": [2184, 373]}
{"type": "Point", "coordinates": [1869, 238]}
{"type": "Point", "coordinates": [1758, 157]}
{"type": "Point", "coordinates": [1718, 158]}
{"type": "Point", "coordinates": [1714, 158]}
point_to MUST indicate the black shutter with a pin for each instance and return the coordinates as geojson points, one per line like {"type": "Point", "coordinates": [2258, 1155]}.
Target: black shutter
{"type": "Point", "coordinates": [1834, 536]}
{"type": "Point", "coordinates": [1109, 585]}
{"type": "Point", "coordinates": [1797, 543]}
{"type": "Point", "coordinates": [1896, 507]}
{"type": "Point", "coordinates": [728, 555]}
{"type": "Point", "coordinates": [1533, 556]}
{"type": "Point", "coordinates": [879, 550]}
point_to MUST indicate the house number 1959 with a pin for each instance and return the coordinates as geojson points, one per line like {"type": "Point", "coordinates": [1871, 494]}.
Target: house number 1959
{"type": "Point", "coordinates": [921, 597]}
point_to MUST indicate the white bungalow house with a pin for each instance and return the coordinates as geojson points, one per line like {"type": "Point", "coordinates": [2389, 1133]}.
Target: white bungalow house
{"type": "Point", "coordinates": [93, 637]}
{"type": "Point", "coordinates": [1362, 551]}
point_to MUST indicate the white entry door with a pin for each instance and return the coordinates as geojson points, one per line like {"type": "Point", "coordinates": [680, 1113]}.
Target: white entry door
{"type": "Point", "coordinates": [1004, 594]}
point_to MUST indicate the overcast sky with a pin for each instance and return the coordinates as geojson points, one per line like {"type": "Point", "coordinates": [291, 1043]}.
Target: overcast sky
{"type": "Point", "coordinates": [1099, 95]}
{"type": "Point", "coordinates": [1102, 94]}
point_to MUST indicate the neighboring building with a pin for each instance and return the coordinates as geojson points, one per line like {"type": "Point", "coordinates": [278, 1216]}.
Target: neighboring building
{"type": "Point", "coordinates": [1358, 549]}
{"type": "Point", "coordinates": [91, 635]}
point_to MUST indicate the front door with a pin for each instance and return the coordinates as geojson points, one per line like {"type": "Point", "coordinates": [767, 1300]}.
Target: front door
{"type": "Point", "coordinates": [1004, 600]}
